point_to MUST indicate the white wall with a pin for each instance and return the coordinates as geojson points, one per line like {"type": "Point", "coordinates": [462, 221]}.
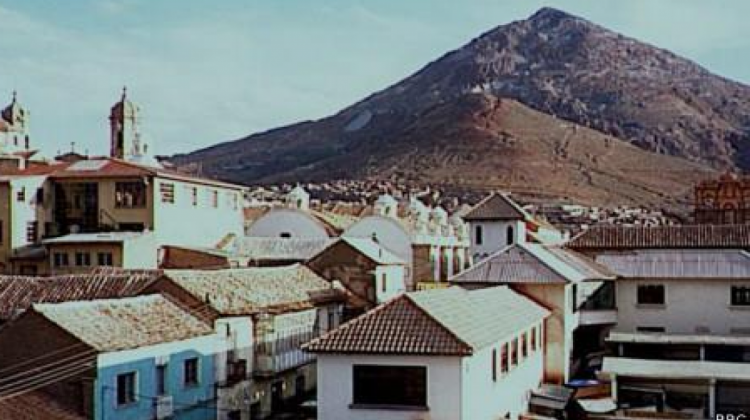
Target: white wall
{"type": "Point", "coordinates": [394, 281]}
{"type": "Point", "coordinates": [485, 399]}
{"type": "Point", "coordinates": [140, 252]}
{"type": "Point", "coordinates": [335, 387]}
{"type": "Point", "coordinates": [688, 304]}
{"type": "Point", "coordinates": [391, 235]}
{"type": "Point", "coordinates": [24, 211]}
{"type": "Point", "coordinates": [201, 225]}
{"type": "Point", "coordinates": [297, 223]}
{"type": "Point", "coordinates": [494, 236]}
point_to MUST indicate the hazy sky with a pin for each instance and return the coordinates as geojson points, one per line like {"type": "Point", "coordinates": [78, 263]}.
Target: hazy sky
{"type": "Point", "coordinates": [210, 71]}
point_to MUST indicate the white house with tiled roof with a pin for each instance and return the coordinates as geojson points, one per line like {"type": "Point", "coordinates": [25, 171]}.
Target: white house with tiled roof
{"type": "Point", "coordinates": [578, 291]}
{"type": "Point", "coordinates": [446, 354]}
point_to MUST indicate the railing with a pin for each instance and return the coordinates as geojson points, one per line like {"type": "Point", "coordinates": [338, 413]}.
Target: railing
{"type": "Point", "coordinates": [282, 353]}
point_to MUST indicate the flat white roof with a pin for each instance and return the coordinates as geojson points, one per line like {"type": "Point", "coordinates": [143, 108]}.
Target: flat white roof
{"type": "Point", "coordinates": [103, 237]}
{"type": "Point", "coordinates": [661, 338]}
{"type": "Point", "coordinates": [675, 369]}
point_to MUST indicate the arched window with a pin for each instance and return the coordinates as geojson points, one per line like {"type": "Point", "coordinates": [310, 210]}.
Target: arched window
{"type": "Point", "coordinates": [478, 235]}
{"type": "Point", "coordinates": [509, 235]}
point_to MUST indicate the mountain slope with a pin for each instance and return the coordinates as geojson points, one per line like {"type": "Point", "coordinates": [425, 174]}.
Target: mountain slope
{"type": "Point", "coordinates": [448, 123]}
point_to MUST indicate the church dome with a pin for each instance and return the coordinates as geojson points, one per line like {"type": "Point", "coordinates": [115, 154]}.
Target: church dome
{"type": "Point", "coordinates": [14, 113]}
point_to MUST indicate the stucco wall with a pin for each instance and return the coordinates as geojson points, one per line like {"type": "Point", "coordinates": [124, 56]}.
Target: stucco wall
{"type": "Point", "coordinates": [200, 225]}
{"type": "Point", "coordinates": [494, 237]}
{"type": "Point", "coordinates": [689, 304]}
{"type": "Point", "coordinates": [485, 399]}
{"type": "Point", "coordinates": [335, 387]}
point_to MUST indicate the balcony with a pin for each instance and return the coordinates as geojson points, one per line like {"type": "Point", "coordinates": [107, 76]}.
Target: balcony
{"type": "Point", "coordinates": [597, 317]}
{"type": "Point", "coordinates": [282, 353]}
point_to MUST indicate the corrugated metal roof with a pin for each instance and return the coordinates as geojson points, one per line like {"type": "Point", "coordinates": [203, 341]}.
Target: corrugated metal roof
{"type": "Point", "coordinates": [18, 293]}
{"type": "Point", "coordinates": [245, 291]}
{"type": "Point", "coordinates": [449, 321]}
{"type": "Point", "coordinates": [281, 249]}
{"type": "Point", "coordinates": [496, 206]}
{"type": "Point", "coordinates": [679, 264]}
{"type": "Point", "coordinates": [533, 263]}
{"type": "Point", "coordinates": [126, 323]}
{"type": "Point", "coordinates": [682, 236]}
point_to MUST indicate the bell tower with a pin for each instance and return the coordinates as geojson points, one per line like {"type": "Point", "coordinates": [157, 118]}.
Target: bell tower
{"type": "Point", "coordinates": [126, 141]}
{"type": "Point", "coordinates": [16, 121]}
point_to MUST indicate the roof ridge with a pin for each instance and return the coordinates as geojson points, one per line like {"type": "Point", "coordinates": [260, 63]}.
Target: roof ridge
{"type": "Point", "coordinates": [461, 341]}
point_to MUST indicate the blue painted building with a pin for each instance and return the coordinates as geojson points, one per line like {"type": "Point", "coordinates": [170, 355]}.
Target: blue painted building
{"type": "Point", "coordinates": [140, 358]}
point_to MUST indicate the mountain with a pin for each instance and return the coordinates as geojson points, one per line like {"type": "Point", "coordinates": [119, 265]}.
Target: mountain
{"type": "Point", "coordinates": [552, 105]}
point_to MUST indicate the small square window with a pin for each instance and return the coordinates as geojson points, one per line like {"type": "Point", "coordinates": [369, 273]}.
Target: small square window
{"type": "Point", "coordinates": [83, 259]}
{"type": "Point", "coordinates": [740, 296]}
{"type": "Point", "coordinates": [650, 294]}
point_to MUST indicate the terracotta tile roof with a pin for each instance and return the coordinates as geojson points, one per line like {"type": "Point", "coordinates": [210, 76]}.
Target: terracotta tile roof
{"type": "Point", "coordinates": [449, 321]}
{"type": "Point", "coordinates": [245, 291]}
{"type": "Point", "coordinates": [104, 167]}
{"type": "Point", "coordinates": [126, 323]}
{"type": "Point", "coordinates": [35, 405]}
{"type": "Point", "coordinates": [680, 236]}
{"type": "Point", "coordinates": [496, 207]}
{"type": "Point", "coordinates": [18, 293]}
{"type": "Point", "coordinates": [533, 263]}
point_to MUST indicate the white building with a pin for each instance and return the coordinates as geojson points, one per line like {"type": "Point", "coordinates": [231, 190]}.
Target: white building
{"type": "Point", "coordinates": [683, 297]}
{"type": "Point", "coordinates": [578, 291]}
{"type": "Point", "coordinates": [15, 122]}
{"type": "Point", "coordinates": [127, 192]}
{"type": "Point", "coordinates": [446, 354]}
{"type": "Point", "coordinates": [497, 222]}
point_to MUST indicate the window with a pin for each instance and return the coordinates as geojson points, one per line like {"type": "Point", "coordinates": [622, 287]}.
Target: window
{"type": "Point", "coordinates": [21, 194]}
{"type": "Point", "coordinates": [650, 294]}
{"type": "Point", "coordinates": [504, 358]}
{"type": "Point", "coordinates": [650, 329]}
{"type": "Point", "coordinates": [384, 283]}
{"type": "Point", "coordinates": [390, 385]}
{"type": "Point", "coordinates": [83, 259]}
{"type": "Point", "coordinates": [509, 235]}
{"type": "Point", "coordinates": [193, 195]}
{"type": "Point", "coordinates": [285, 235]}
{"type": "Point", "coordinates": [494, 365]}
{"type": "Point", "coordinates": [2, 232]}
{"type": "Point", "coordinates": [514, 352]}
{"type": "Point", "coordinates": [740, 296]}
{"type": "Point", "coordinates": [130, 194]}
{"type": "Point", "coordinates": [533, 339]}
{"type": "Point", "coordinates": [167, 192]}
{"type": "Point", "coordinates": [214, 199]}
{"type": "Point", "coordinates": [60, 259]}
{"type": "Point", "coordinates": [32, 231]}
{"type": "Point", "coordinates": [161, 379]}
{"type": "Point", "coordinates": [40, 196]}
{"type": "Point", "coordinates": [126, 393]}
{"type": "Point", "coordinates": [524, 348]}
{"type": "Point", "coordinates": [478, 235]}
{"type": "Point", "coordinates": [191, 372]}
{"type": "Point", "coordinates": [104, 258]}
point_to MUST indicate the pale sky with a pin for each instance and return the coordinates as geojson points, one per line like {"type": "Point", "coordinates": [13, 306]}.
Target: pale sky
{"type": "Point", "coordinates": [211, 71]}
